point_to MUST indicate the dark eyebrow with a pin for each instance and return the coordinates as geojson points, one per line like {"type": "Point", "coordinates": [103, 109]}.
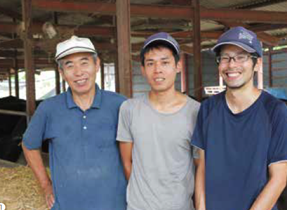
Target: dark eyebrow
{"type": "Point", "coordinates": [165, 58]}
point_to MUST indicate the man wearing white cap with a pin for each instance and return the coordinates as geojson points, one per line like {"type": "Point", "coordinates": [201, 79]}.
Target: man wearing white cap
{"type": "Point", "coordinates": [80, 126]}
{"type": "Point", "coordinates": [242, 132]}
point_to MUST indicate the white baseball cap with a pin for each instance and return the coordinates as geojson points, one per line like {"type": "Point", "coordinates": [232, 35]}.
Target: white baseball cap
{"type": "Point", "coordinates": [74, 45]}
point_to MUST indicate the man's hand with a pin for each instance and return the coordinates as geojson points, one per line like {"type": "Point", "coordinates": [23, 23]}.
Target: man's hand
{"type": "Point", "coordinates": [49, 196]}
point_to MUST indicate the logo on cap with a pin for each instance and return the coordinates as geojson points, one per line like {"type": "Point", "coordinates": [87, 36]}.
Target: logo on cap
{"type": "Point", "coordinates": [245, 35]}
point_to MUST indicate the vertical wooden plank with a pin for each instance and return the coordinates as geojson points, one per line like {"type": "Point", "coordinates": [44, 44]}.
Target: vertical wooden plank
{"type": "Point", "coordinates": [124, 47]}
{"type": "Point", "coordinates": [57, 81]}
{"type": "Point", "coordinates": [102, 75]}
{"type": "Point", "coordinates": [63, 85]}
{"type": "Point", "coordinates": [117, 77]}
{"type": "Point", "coordinates": [197, 50]}
{"type": "Point", "coordinates": [15, 61]}
{"type": "Point", "coordinates": [270, 81]}
{"type": "Point", "coordinates": [28, 58]}
{"type": "Point", "coordinates": [9, 82]}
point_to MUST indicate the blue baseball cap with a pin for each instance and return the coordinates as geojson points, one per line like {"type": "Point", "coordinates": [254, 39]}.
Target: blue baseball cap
{"type": "Point", "coordinates": [241, 37]}
{"type": "Point", "coordinates": [161, 37]}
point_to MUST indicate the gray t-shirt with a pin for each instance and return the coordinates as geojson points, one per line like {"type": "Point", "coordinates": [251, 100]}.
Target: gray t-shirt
{"type": "Point", "coordinates": [162, 176]}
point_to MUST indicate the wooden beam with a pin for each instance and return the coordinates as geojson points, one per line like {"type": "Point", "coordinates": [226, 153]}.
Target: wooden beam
{"type": "Point", "coordinates": [9, 82]}
{"type": "Point", "coordinates": [264, 37]}
{"type": "Point", "coordinates": [79, 31]}
{"type": "Point", "coordinates": [124, 47]}
{"type": "Point", "coordinates": [178, 12]}
{"type": "Point", "coordinates": [10, 13]}
{"type": "Point", "coordinates": [197, 51]}
{"type": "Point", "coordinates": [270, 67]}
{"type": "Point", "coordinates": [102, 75]}
{"type": "Point", "coordinates": [57, 81]}
{"type": "Point", "coordinates": [16, 68]}
{"type": "Point", "coordinates": [29, 59]}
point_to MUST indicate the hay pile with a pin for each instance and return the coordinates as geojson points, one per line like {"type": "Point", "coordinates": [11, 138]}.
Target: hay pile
{"type": "Point", "coordinates": [19, 189]}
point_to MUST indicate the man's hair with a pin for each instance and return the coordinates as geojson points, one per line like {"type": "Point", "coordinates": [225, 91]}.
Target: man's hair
{"type": "Point", "coordinates": [60, 62]}
{"type": "Point", "coordinates": [253, 58]}
{"type": "Point", "coordinates": [157, 45]}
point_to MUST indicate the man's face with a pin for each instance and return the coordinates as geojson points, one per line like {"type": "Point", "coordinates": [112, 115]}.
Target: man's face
{"type": "Point", "coordinates": [80, 70]}
{"type": "Point", "coordinates": [160, 69]}
{"type": "Point", "coordinates": [236, 74]}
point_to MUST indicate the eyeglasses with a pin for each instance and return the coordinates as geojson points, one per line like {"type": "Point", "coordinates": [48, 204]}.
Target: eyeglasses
{"type": "Point", "coordinates": [241, 58]}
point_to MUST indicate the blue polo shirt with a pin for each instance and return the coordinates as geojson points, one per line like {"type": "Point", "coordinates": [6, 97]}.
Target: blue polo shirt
{"type": "Point", "coordinates": [85, 163]}
{"type": "Point", "coordinates": [239, 148]}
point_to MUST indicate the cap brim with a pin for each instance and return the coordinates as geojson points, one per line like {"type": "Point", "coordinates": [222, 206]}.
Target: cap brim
{"type": "Point", "coordinates": [74, 50]}
{"type": "Point", "coordinates": [161, 39]}
{"type": "Point", "coordinates": [238, 44]}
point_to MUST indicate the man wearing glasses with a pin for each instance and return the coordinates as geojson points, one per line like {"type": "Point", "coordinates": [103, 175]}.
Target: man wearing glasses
{"type": "Point", "coordinates": [241, 132]}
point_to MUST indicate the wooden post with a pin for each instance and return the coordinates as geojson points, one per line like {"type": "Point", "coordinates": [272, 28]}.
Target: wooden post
{"type": "Point", "coordinates": [15, 60]}
{"type": "Point", "coordinates": [57, 81]}
{"type": "Point", "coordinates": [29, 58]}
{"type": "Point", "coordinates": [63, 85]}
{"type": "Point", "coordinates": [9, 82]}
{"type": "Point", "coordinates": [102, 75]}
{"type": "Point", "coordinates": [197, 50]}
{"type": "Point", "coordinates": [124, 47]}
{"type": "Point", "coordinates": [270, 67]}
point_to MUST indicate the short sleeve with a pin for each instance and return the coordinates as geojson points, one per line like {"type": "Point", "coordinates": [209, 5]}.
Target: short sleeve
{"type": "Point", "coordinates": [35, 133]}
{"type": "Point", "coordinates": [197, 139]}
{"type": "Point", "coordinates": [195, 152]}
{"type": "Point", "coordinates": [278, 145]}
{"type": "Point", "coordinates": [124, 132]}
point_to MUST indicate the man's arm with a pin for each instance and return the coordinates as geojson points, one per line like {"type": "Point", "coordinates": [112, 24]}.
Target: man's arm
{"type": "Point", "coordinates": [35, 161]}
{"type": "Point", "coordinates": [126, 155]}
{"type": "Point", "coordinates": [274, 187]}
{"type": "Point", "coordinates": [200, 181]}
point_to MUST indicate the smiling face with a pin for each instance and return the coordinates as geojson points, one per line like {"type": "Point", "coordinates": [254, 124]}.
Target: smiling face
{"type": "Point", "coordinates": [79, 71]}
{"type": "Point", "coordinates": [160, 69]}
{"type": "Point", "coordinates": [236, 74]}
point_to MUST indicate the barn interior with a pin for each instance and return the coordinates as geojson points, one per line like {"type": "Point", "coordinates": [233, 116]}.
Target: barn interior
{"type": "Point", "coordinates": [31, 29]}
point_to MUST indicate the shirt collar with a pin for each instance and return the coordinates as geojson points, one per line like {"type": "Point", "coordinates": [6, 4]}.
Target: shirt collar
{"type": "Point", "coordinates": [96, 103]}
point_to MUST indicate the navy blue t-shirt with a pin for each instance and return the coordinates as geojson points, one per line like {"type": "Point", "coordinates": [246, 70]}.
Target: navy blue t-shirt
{"type": "Point", "coordinates": [85, 162]}
{"type": "Point", "coordinates": [239, 148]}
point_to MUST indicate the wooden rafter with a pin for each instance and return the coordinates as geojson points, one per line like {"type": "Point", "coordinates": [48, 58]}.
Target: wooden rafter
{"type": "Point", "coordinates": [163, 11]}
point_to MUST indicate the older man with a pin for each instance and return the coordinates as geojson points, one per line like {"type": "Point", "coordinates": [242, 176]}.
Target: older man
{"type": "Point", "coordinates": [80, 126]}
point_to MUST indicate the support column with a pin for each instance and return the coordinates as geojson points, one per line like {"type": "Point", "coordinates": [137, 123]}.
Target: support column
{"type": "Point", "coordinates": [102, 75]}
{"type": "Point", "coordinates": [15, 60]}
{"type": "Point", "coordinates": [28, 59]}
{"type": "Point", "coordinates": [117, 77]}
{"type": "Point", "coordinates": [124, 47]}
{"type": "Point", "coordinates": [9, 82]}
{"type": "Point", "coordinates": [197, 50]}
{"type": "Point", "coordinates": [57, 81]}
{"type": "Point", "coordinates": [270, 82]}
{"type": "Point", "coordinates": [63, 85]}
